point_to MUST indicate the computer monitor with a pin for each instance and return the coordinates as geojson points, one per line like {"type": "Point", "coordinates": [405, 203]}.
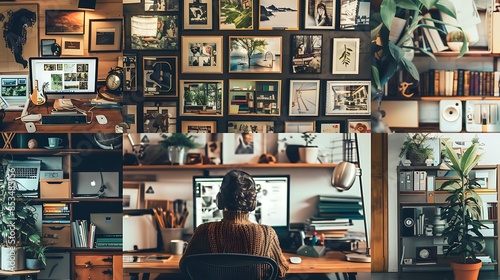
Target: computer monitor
{"type": "Point", "coordinates": [66, 77]}
{"type": "Point", "coordinates": [273, 203]}
{"type": "Point", "coordinates": [14, 89]}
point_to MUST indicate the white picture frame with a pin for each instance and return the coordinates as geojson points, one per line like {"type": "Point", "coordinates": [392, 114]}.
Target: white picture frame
{"type": "Point", "coordinates": [304, 98]}
{"type": "Point", "coordinates": [72, 46]}
{"type": "Point", "coordinates": [236, 151]}
{"type": "Point", "coordinates": [348, 98]}
{"type": "Point", "coordinates": [131, 198]}
{"type": "Point", "coordinates": [345, 56]}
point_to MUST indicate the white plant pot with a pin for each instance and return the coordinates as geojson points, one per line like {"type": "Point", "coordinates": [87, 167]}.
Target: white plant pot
{"type": "Point", "coordinates": [308, 154]}
{"type": "Point", "coordinates": [12, 258]}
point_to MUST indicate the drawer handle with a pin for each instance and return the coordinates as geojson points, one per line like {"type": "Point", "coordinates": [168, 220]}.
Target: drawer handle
{"type": "Point", "coordinates": [56, 228]}
{"type": "Point", "coordinates": [88, 264]}
{"type": "Point", "coordinates": [107, 272]}
{"type": "Point", "coordinates": [108, 259]}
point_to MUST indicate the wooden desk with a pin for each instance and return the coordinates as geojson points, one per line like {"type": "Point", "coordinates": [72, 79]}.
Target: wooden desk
{"type": "Point", "coordinates": [21, 273]}
{"type": "Point", "coordinates": [114, 116]}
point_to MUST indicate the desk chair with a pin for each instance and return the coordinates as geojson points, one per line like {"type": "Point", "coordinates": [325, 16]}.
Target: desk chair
{"type": "Point", "coordinates": [229, 267]}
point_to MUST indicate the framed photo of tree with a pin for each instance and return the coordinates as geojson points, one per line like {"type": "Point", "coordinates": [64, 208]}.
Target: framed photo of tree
{"type": "Point", "coordinates": [235, 15]}
{"type": "Point", "coordinates": [250, 54]}
{"type": "Point", "coordinates": [201, 98]}
{"type": "Point", "coordinates": [345, 56]}
{"type": "Point", "coordinates": [160, 76]}
{"type": "Point", "coordinates": [198, 14]}
{"type": "Point", "coordinates": [279, 14]}
{"type": "Point", "coordinates": [306, 54]}
{"type": "Point", "coordinates": [201, 54]}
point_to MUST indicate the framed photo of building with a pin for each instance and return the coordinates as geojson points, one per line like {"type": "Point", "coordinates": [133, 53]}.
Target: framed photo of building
{"type": "Point", "coordinates": [236, 15]}
{"type": "Point", "coordinates": [279, 14]}
{"type": "Point", "coordinates": [354, 14]}
{"type": "Point", "coordinates": [359, 126]}
{"type": "Point", "coordinates": [348, 98]}
{"type": "Point", "coordinates": [345, 56]}
{"type": "Point", "coordinates": [250, 126]}
{"type": "Point", "coordinates": [300, 126]}
{"type": "Point", "coordinates": [306, 54]}
{"type": "Point", "coordinates": [63, 22]}
{"type": "Point", "coordinates": [250, 54]}
{"type": "Point", "coordinates": [105, 35]}
{"type": "Point", "coordinates": [160, 76]}
{"type": "Point", "coordinates": [199, 126]}
{"type": "Point", "coordinates": [198, 14]}
{"type": "Point", "coordinates": [154, 32]}
{"type": "Point", "coordinates": [304, 98]}
{"type": "Point", "coordinates": [201, 98]}
{"type": "Point", "coordinates": [319, 14]}
{"type": "Point", "coordinates": [201, 54]}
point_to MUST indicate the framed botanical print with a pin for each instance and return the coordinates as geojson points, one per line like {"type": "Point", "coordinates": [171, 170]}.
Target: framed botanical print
{"type": "Point", "coordinates": [201, 54]}
{"type": "Point", "coordinates": [250, 54]}
{"type": "Point", "coordinates": [198, 14]}
{"type": "Point", "coordinates": [154, 32]}
{"type": "Point", "coordinates": [62, 22]}
{"type": "Point", "coordinates": [201, 98]}
{"type": "Point", "coordinates": [345, 56]}
{"type": "Point", "coordinates": [199, 126]}
{"type": "Point", "coordinates": [319, 14]}
{"type": "Point", "coordinates": [348, 98]}
{"type": "Point", "coordinates": [304, 98]}
{"type": "Point", "coordinates": [105, 35]}
{"type": "Point", "coordinates": [250, 126]}
{"type": "Point", "coordinates": [306, 54]}
{"type": "Point", "coordinates": [279, 14]}
{"type": "Point", "coordinates": [300, 126]}
{"type": "Point", "coordinates": [235, 15]}
{"type": "Point", "coordinates": [160, 76]}
{"type": "Point", "coordinates": [359, 126]}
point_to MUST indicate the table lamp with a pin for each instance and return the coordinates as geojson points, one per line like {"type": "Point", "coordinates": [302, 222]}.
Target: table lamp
{"type": "Point", "coordinates": [87, 5]}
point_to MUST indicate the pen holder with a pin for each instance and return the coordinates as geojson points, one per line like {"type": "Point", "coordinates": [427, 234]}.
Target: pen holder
{"type": "Point", "coordinates": [311, 251]}
{"type": "Point", "coordinates": [169, 234]}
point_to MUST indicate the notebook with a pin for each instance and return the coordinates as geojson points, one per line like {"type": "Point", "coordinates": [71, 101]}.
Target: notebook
{"type": "Point", "coordinates": [88, 184]}
{"type": "Point", "coordinates": [107, 223]}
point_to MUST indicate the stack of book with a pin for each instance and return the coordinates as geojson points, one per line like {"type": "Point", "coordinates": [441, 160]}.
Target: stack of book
{"type": "Point", "coordinates": [109, 240]}
{"type": "Point", "coordinates": [55, 213]}
{"type": "Point", "coordinates": [83, 234]}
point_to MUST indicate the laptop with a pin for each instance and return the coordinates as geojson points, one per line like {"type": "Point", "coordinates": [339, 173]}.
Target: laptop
{"type": "Point", "coordinates": [88, 184]}
{"type": "Point", "coordinates": [14, 89]}
{"type": "Point", "coordinates": [107, 223]}
{"type": "Point", "coordinates": [27, 175]}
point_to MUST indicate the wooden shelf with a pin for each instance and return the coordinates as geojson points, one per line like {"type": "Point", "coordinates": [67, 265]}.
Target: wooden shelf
{"type": "Point", "coordinates": [56, 151]}
{"type": "Point", "coordinates": [439, 98]}
{"type": "Point", "coordinates": [76, 200]}
{"type": "Point", "coordinates": [225, 166]}
{"type": "Point", "coordinates": [473, 52]}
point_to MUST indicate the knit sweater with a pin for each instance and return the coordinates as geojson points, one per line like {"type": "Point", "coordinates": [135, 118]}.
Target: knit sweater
{"type": "Point", "coordinates": [235, 233]}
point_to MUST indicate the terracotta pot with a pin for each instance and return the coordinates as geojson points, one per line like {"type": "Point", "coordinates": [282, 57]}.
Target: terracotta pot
{"type": "Point", "coordinates": [469, 271]}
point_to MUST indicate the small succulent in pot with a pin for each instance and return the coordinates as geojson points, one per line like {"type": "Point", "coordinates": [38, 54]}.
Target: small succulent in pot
{"type": "Point", "coordinates": [455, 39]}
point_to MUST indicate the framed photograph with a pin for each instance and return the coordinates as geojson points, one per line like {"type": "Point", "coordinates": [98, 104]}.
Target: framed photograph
{"type": "Point", "coordinates": [250, 54]}
{"type": "Point", "coordinates": [359, 126]}
{"type": "Point", "coordinates": [129, 114]}
{"type": "Point", "coordinates": [105, 35]}
{"type": "Point", "coordinates": [348, 98]}
{"type": "Point", "coordinates": [154, 32]}
{"type": "Point", "coordinates": [160, 117]}
{"type": "Point", "coordinates": [62, 22]}
{"type": "Point", "coordinates": [198, 14]}
{"type": "Point", "coordinates": [300, 126]}
{"type": "Point", "coordinates": [320, 14]}
{"type": "Point", "coordinates": [213, 150]}
{"type": "Point", "coordinates": [201, 54]}
{"type": "Point", "coordinates": [304, 98]}
{"type": "Point", "coordinates": [199, 126]}
{"type": "Point", "coordinates": [254, 97]}
{"type": "Point", "coordinates": [345, 56]}
{"type": "Point", "coordinates": [235, 15]}
{"type": "Point", "coordinates": [154, 5]}
{"type": "Point", "coordinates": [160, 76]}
{"type": "Point", "coordinates": [72, 46]}
{"type": "Point", "coordinates": [354, 14]}
{"type": "Point", "coordinates": [132, 195]}
{"type": "Point", "coordinates": [279, 14]}
{"type": "Point", "coordinates": [306, 54]}
{"type": "Point", "coordinates": [201, 98]}
{"type": "Point", "coordinates": [48, 47]}
{"type": "Point", "coordinates": [241, 147]}
{"type": "Point", "coordinates": [330, 127]}
{"type": "Point", "coordinates": [250, 126]}
{"type": "Point", "coordinates": [15, 54]}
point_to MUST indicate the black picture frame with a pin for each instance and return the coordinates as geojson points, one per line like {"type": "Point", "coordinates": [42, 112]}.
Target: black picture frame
{"type": "Point", "coordinates": [160, 76]}
{"type": "Point", "coordinates": [105, 35]}
{"type": "Point", "coordinates": [306, 50]}
{"type": "Point", "coordinates": [47, 47]}
{"type": "Point", "coordinates": [64, 22]}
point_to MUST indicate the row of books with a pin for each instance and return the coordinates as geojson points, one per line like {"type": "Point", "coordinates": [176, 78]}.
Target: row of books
{"type": "Point", "coordinates": [339, 207]}
{"type": "Point", "coordinates": [58, 213]}
{"type": "Point", "coordinates": [416, 181]}
{"type": "Point", "coordinates": [459, 82]}
{"type": "Point", "coordinates": [83, 234]}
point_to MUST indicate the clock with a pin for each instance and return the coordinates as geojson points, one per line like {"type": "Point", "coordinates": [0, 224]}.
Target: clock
{"type": "Point", "coordinates": [426, 254]}
{"type": "Point", "coordinates": [114, 80]}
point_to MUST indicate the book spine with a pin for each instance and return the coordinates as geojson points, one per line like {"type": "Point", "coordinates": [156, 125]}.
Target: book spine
{"type": "Point", "coordinates": [460, 82]}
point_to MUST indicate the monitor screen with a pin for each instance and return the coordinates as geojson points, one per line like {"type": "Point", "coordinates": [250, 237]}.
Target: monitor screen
{"type": "Point", "coordinates": [65, 77]}
{"type": "Point", "coordinates": [272, 200]}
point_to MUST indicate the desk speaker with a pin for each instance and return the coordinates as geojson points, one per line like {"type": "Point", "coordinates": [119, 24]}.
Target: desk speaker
{"type": "Point", "coordinates": [450, 115]}
{"type": "Point", "coordinates": [407, 217]}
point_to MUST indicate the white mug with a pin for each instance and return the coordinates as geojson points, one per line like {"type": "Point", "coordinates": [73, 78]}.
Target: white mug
{"type": "Point", "coordinates": [177, 246]}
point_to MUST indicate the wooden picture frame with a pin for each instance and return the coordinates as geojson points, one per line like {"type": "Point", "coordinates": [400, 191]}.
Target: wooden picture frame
{"type": "Point", "coordinates": [359, 126]}
{"type": "Point", "coordinates": [304, 98]}
{"type": "Point", "coordinates": [348, 98]}
{"type": "Point", "coordinates": [345, 56]}
{"type": "Point", "coordinates": [265, 56]}
{"type": "Point", "coordinates": [320, 14]}
{"type": "Point", "coordinates": [279, 14]}
{"type": "Point", "coordinates": [236, 16]}
{"type": "Point", "coordinates": [72, 46]}
{"type": "Point", "coordinates": [198, 14]}
{"type": "Point", "coordinates": [64, 22]}
{"type": "Point", "coordinates": [251, 126]}
{"type": "Point", "coordinates": [160, 76]}
{"type": "Point", "coordinates": [354, 14]}
{"type": "Point", "coordinates": [201, 98]}
{"type": "Point", "coordinates": [105, 35]}
{"type": "Point", "coordinates": [159, 117]}
{"type": "Point", "coordinates": [300, 126]}
{"type": "Point", "coordinates": [154, 32]}
{"type": "Point", "coordinates": [331, 127]}
{"type": "Point", "coordinates": [202, 54]}
{"type": "Point", "coordinates": [242, 147]}
{"type": "Point", "coordinates": [306, 54]}
{"type": "Point", "coordinates": [260, 98]}
{"type": "Point", "coordinates": [198, 126]}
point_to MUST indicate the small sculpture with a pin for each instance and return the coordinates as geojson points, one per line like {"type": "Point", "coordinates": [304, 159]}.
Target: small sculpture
{"type": "Point", "coordinates": [32, 143]}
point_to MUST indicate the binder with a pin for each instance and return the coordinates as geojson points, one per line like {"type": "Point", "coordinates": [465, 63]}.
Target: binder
{"type": "Point", "coordinates": [416, 180]}
{"type": "Point", "coordinates": [422, 180]}
{"type": "Point", "coordinates": [409, 181]}
{"type": "Point", "coordinates": [402, 181]}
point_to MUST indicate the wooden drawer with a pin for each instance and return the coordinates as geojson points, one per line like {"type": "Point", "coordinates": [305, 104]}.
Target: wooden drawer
{"type": "Point", "coordinates": [97, 273]}
{"type": "Point", "coordinates": [94, 260]}
{"type": "Point", "coordinates": [59, 188]}
{"type": "Point", "coordinates": [56, 235]}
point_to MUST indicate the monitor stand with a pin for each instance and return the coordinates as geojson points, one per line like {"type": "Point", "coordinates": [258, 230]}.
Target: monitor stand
{"type": "Point", "coordinates": [63, 104]}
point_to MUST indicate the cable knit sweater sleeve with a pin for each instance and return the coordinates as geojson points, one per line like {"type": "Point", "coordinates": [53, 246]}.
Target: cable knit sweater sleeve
{"type": "Point", "coordinates": [276, 253]}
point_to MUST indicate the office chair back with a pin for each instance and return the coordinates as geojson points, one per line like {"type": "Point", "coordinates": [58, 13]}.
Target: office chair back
{"type": "Point", "coordinates": [229, 267]}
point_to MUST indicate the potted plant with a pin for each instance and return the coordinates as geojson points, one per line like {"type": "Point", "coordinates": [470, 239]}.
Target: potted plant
{"type": "Point", "coordinates": [416, 149]}
{"type": "Point", "coordinates": [463, 213]}
{"type": "Point", "coordinates": [308, 153]}
{"type": "Point", "coordinates": [35, 258]}
{"type": "Point", "coordinates": [455, 39]}
{"type": "Point", "coordinates": [176, 145]}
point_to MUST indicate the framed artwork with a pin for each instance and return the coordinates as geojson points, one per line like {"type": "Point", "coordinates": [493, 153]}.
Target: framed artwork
{"type": "Point", "coordinates": [348, 98]}
{"type": "Point", "coordinates": [132, 195]}
{"type": "Point", "coordinates": [154, 32]}
{"type": "Point", "coordinates": [254, 97]}
{"type": "Point", "coordinates": [320, 14]}
{"type": "Point", "coordinates": [235, 15]}
{"type": "Point", "coordinates": [161, 5]}
{"type": "Point", "coordinates": [241, 147]}
{"type": "Point", "coordinates": [18, 44]}
{"type": "Point", "coordinates": [199, 126]}
{"type": "Point", "coordinates": [213, 150]}
{"type": "Point", "coordinates": [250, 126]}
{"type": "Point", "coordinates": [201, 98]}
{"type": "Point", "coordinates": [359, 126]}
{"type": "Point", "coordinates": [304, 98]}
{"type": "Point", "coordinates": [105, 35]}
{"type": "Point", "coordinates": [300, 126]}
{"type": "Point", "coordinates": [306, 54]}
{"type": "Point", "coordinates": [48, 47]}
{"type": "Point", "coordinates": [345, 56]}
{"type": "Point", "coordinates": [198, 14]}
{"type": "Point", "coordinates": [160, 117]}
{"type": "Point", "coordinates": [330, 127]}
{"type": "Point", "coordinates": [129, 113]}
{"type": "Point", "coordinates": [72, 46]}
{"type": "Point", "coordinates": [201, 54]}
{"type": "Point", "coordinates": [354, 14]}
{"type": "Point", "coordinates": [160, 76]}
{"type": "Point", "coordinates": [250, 54]}
{"type": "Point", "coordinates": [62, 22]}
{"type": "Point", "coordinates": [279, 14]}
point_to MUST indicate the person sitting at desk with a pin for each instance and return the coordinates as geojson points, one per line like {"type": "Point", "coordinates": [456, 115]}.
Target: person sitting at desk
{"type": "Point", "coordinates": [237, 197]}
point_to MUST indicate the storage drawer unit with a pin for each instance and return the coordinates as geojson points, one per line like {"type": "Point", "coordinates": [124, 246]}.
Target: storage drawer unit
{"type": "Point", "coordinates": [93, 267]}
{"type": "Point", "coordinates": [59, 188]}
{"type": "Point", "coordinates": [56, 235]}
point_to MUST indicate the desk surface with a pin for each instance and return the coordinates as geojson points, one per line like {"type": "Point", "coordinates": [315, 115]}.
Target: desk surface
{"type": "Point", "coordinates": [18, 272]}
{"type": "Point", "coordinates": [332, 262]}
{"type": "Point", "coordinates": [114, 116]}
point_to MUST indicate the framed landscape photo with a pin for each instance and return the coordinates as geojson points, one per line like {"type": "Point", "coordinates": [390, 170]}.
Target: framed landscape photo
{"type": "Point", "coordinates": [160, 76]}
{"type": "Point", "coordinates": [236, 15]}
{"type": "Point", "coordinates": [300, 126]}
{"type": "Point", "coordinates": [201, 98]}
{"type": "Point", "coordinates": [63, 22]}
{"type": "Point", "coordinates": [199, 126]}
{"type": "Point", "coordinates": [105, 35]}
{"type": "Point", "coordinates": [154, 32]}
{"type": "Point", "coordinates": [250, 54]}
{"type": "Point", "coordinates": [319, 14]}
{"type": "Point", "coordinates": [345, 56]}
{"type": "Point", "coordinates": [359, 126]}
{"type": "Point", "coordinates": [72, 46]}
{"type": "Point", "coordinates": [279, 14]}
{"type": "Point", "coordinates": [348, 98]}
{"type": "Point", "coordinates": [198, 14]}
{"type": "Point", "coordinates": [250, 126]}
{"type": "Point", "coordinates": [333, 127]}
{"type": "Point", "coordinates": [304, 98]}
{"type": "Point", "coordinates": [306, 54]}
{"type": "Point", "coordinates": [201, 54]}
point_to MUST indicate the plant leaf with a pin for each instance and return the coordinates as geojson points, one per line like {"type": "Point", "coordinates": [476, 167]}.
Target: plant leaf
{"type": "Point", "coordinates": [447, 7]}
{"type": "Point", "coordinates": [388, 12]}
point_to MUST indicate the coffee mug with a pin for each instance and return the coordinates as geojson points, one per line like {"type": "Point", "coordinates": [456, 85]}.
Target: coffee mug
{"type": "Point", "coordinates": [177, 246]}
{"type": "Point", "coordinates": [54, 141]}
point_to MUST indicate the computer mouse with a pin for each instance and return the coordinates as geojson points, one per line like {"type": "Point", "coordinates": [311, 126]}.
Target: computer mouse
{"type": "Point", "coordinates": [101, 119]}
{"type": "Point", "coordinates": [295, 260]}
{"type": "Point", "coordinates": [30, 127]}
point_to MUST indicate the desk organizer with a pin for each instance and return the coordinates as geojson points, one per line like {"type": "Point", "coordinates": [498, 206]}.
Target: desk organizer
{"type": "Point", "coordinates": [311, 251]}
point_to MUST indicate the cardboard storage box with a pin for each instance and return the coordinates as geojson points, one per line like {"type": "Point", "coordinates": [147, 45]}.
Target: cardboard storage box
{"type": "Point", "coordinates": [58, 267]}
{"type": "Point", "coordinates": [55, 188]}
{"type": "Point", "coordinates": [56, 235]}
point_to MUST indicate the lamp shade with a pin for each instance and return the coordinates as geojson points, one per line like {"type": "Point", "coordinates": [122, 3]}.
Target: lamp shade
{"type": "Point", "coordinates": [86, 4]}
{"type": "Point", "coordinates": [344, 176]}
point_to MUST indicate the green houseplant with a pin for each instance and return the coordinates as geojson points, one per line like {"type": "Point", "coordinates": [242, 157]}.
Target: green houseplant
{"type": "Point", "coordinates": [308, 153]}
{"type": "Point", "coordinates": [35, 258]}
{"type": "Point", "coordinates": [416, 149]}
{"type": "Point", "coordinates": [176, 145]}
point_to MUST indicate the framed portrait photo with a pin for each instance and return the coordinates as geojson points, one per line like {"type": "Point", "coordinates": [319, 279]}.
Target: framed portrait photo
{"type": "Point", "coordinates": [250, 126]}
{"type": "Point", "coordinates": [279, 14]}
{"type": "Point", "coordinates": [198, 14]}
{"type": "Point", "coordinates": [236, 15]}
{"type": "Point", "coordinates": [300, 126]}
{"type": "Point", "coordinates": [359, 126]}
{"type": "Point", "coordinates": [63, 22]}
{"type": "Point", "coordinates": [320, 14]}
{"type": "Point", "coordinates": [250, 54]}
{"type": "Point", "coordinates": [154, 32]}
{"type": "Point", "coordinates": [345, 56]}
{"type": "Point", "coordinates": [306, 54]}
{"type": "Point", "coordinates": [201, 54]}
{"type": "Point", "coordinates": [304, 98]}
{"type": "Point", "coordinates": [348, 98]}
{"type": "Point", "coordinates": [160, 76]}
{"type": "Point", "coordinates": [72, 46]}
{"type": "Point", "coordinates": [199, 126]}
{"type": "Point", "coordinates": [201, 98]}
{"type": "Point", "coordinates": [105, 35]}
{"type": "Point", "coordinates": [241, 147]}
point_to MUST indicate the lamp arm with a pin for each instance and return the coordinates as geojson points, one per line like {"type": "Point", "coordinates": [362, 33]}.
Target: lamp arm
{"type": "Point", "coordinates": [359, 173]}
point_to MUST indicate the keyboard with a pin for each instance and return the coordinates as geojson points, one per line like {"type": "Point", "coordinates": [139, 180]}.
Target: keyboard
{"type": "Point", "coordinates": [64, 119]}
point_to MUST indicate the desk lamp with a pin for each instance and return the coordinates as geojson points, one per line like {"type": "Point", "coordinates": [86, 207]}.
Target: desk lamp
{"type": "Point", "coordinates": [343, 177]}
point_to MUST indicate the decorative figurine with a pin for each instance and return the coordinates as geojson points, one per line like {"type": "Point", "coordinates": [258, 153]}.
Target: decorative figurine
{"type": "Point", "coordinates": [32, 143]}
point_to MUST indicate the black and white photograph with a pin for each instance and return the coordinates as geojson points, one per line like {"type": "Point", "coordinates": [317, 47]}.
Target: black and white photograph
{"type": "Point", "coordinates": [198, 14]}
{"type": "Point", "coordinates": [348, 98]}
{"type": "Point", "coordinates": [279, 15]}
{"type": "Point", "coordinates": [154, 32]}
{"type": "Point", "coordinates": [160, 76]}
{"type": "Point", "coordinates": [320, 14]}
{"type": "Point", "coordinates": [160, 117]}
{"type": "Point", "coordinates": [199, 127]}
{"type": "Point", "coordinates": [244, 143]}
{"type": "Point", "coordinates": [154, 5]}
{"type": "Point", "coordinates": [306, 54]}
{"type": "Point", "coordinates": [354, 14]}
{"type": "Point", "coordinates": [201, 54]}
